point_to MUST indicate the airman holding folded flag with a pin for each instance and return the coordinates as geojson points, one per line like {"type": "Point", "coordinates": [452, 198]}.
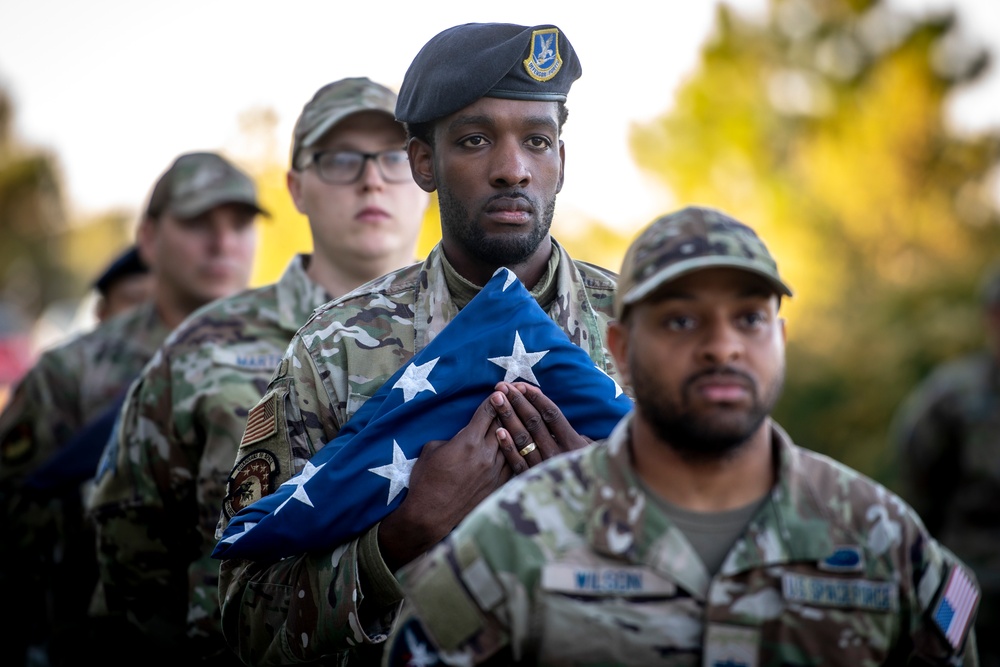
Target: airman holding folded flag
{"type": "Point", "coordinates": [484, 105]}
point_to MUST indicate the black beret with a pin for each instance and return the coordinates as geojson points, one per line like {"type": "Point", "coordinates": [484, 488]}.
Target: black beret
{"type": "Point", "coordinates": [467, 62]}
{"type": "Point", "coordinates": [127, 264]}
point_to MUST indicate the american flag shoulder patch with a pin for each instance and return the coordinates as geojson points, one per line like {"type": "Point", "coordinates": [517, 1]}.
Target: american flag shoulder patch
{"type": "Point", "coordinates": [956, 607]}
{"type": "Point", "coordinates": [262, 420]}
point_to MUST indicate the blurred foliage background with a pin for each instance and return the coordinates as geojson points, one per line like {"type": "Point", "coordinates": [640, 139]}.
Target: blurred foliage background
{"type": "Point", "coordinates": [822, 126]}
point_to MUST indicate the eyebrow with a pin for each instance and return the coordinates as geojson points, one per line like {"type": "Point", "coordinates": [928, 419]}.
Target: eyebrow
{"type": "Point", "coordinates": [545, 121]}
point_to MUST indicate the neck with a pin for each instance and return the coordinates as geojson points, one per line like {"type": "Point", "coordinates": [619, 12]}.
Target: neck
{"type": "Point", "coordinates": [728, 482]}
{"type": "Point", "coordinates": [172, 310]}
{"type": "Point", "coordinates": [478, 272]}
{"type": "Point", "coordinates": [339, 278]}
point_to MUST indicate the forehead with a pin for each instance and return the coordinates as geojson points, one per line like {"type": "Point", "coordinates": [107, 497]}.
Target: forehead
{"type": "Point", "coordinates": [361, 126]}
{"type": "Point", "coordinates": [715, 284]}
{"type": "Point", "coordinates": [496, 111]}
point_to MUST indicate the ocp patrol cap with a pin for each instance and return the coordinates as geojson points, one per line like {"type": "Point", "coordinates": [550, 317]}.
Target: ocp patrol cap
{"type": "Point", "coordinates": [333, 103]}
{"type": "Point", "coordinates": [198, 182]}
{"type": "Point", "coordinates": [686, 241]}
{"type": "Point", "coordinates": [467, 62]}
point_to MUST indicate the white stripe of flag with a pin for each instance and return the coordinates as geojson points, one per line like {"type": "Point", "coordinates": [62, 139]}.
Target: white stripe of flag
{"type": "Point", "coordinates": [961, 595]}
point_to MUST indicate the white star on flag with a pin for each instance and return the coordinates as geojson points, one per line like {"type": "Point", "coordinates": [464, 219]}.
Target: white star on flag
{"type": "Point", "coordinates": [235, 536]}
{"type": "Point", "coordinates": [519, 363]}
{"type": "Point", "coordinates": [299, 482]}
{"type": "Point", "coordinates": [414, 380]}
{"type": "Point", "coordinates": [397, 472]}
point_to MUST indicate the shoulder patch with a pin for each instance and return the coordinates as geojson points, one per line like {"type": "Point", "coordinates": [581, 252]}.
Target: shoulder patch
{"type": "Point", "coordinates": [251, 479]}
{"type": "Point", "coordinates": [956, 607]}
{"type": "Point", "coordinates": [411, 646]}
{"type": "Point", "coordinates": [262, 420]}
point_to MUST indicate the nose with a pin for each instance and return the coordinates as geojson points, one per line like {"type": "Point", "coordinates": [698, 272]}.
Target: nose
{"type": "Point", "coordinates": [227, 237]}
{"type": "Point", "coordinates": [510, 166]}
{"type": "Point", "coordinates": [371, 176]}
{"type": "Point", "coordinates": [721, 343]}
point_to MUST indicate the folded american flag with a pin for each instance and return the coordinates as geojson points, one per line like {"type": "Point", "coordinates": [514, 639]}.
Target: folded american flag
{"type": "Point", "coordinates": [362, 475]}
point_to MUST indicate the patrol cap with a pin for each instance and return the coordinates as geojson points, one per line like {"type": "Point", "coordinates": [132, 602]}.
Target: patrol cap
{"type": "Point", "coordinates": [126, 264]}
{"type": "Point", "coordinates": [333, 103]}
{"type": "Point", "coordinates": [464, 63]}
{"type": "Point", "coordinates": [198, 182]}
{"type": "Point", "coordinates": [689, 240]}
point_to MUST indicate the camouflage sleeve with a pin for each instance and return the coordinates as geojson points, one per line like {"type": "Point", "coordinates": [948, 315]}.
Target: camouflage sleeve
{"type": "Point", "coordinates": [925, 440]}
{"type": "Point", "coordinates": [32, 426]}
{"type": "Point", "coordinates": [42, 414]}
{"type": "Point", "coordinates": [942, 601]}
{"type": "Point", "coordinates": [145, 517]}
{"type": "Point", "coordinates": [313, 605]}
{"type": "Point", "coordinates": [468, 600]}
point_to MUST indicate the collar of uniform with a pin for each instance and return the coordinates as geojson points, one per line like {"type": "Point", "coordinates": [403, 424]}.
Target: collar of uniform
{"type": "Point", "coordinates": [298, 296]}
{"type": "Point", "coordinates": [793, 526]}
{"type": "Point", "coordinates": [462, 291]}
{"type": "Point", "coordinates": [624, 525]}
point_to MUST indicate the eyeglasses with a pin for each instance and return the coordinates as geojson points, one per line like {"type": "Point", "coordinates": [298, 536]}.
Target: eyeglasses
{"type": "Point", "coordinates": [346, 167]}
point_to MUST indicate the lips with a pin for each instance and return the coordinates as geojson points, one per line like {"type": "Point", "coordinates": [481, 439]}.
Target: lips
{"type": "Point", "coordinates": [372, 213]}
{"type": "Point", "coordinates": [509, 205]}
{"type": "Point", "coordinates": [510, 210]}
{"type": "Point", "coordinates": [722, 387]}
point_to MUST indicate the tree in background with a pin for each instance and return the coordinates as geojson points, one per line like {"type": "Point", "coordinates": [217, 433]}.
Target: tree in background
{"type": "Point", "coordinates": [31, 212]}
{"type": "Point", "coordinates": [824, 128]}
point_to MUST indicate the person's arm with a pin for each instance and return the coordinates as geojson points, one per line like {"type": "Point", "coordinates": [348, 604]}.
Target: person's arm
{"type": "Point", "coordinates": [940, 602]}
{"type": "Point", "coordinates": [309, 606]}
{"type": "Point", "coordinates": [144, 513]}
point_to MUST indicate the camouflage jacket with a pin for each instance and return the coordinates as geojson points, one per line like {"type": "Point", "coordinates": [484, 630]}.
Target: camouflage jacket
{"type": "Point", "coordinates": [72, 384]}
{"type": "Point", "coordinates": [572, 564]}
{"type": "Point", "coordinates": [157, 506]}
{"type": "Point", "coordinates": [947, 436]}
{"type": "Point", "coordinates": [314, 605]}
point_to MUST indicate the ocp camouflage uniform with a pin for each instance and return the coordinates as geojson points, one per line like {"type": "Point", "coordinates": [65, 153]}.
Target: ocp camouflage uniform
{"type": "Point", "coordinates": [948, 439]}
{"type": "Point", "coordinates": [158, 505]}
{"type": "Point", "coordinates": [310, 606]}
{"type": "Point", "coordinates": [572, 563]}
{"type": "Point", "coordinates": [69, 386]}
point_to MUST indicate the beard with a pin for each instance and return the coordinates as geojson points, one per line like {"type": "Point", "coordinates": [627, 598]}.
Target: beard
{"type": "Point", "coordinates": [499, 250]}
{"type": "Point", "coordinates": [702, 436]}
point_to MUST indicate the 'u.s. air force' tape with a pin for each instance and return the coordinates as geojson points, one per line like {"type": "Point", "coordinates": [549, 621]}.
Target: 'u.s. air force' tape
{"type": "Point", "coordinates": [847, 593]}
{"type": "Point", "coordinates": [582, 580]}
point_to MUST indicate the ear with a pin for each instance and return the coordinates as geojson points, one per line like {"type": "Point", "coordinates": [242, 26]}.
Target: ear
{"type": "Point", "coordinates": [562, 166]}
{"type": "Point", "coordinates": [293, 180]}
{"type": "Point", "coordinates": [101, 309]}
{"type": "Point", "coordinates": [145, 240]}
{"type": "Point", "coordinates": [618, 346]}
{"type": "Point", "coordinates": [421, 156]}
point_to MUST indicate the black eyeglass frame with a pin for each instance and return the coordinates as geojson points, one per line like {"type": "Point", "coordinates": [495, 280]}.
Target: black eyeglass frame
{"type": "Point", "coordinates": [365, 157]}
